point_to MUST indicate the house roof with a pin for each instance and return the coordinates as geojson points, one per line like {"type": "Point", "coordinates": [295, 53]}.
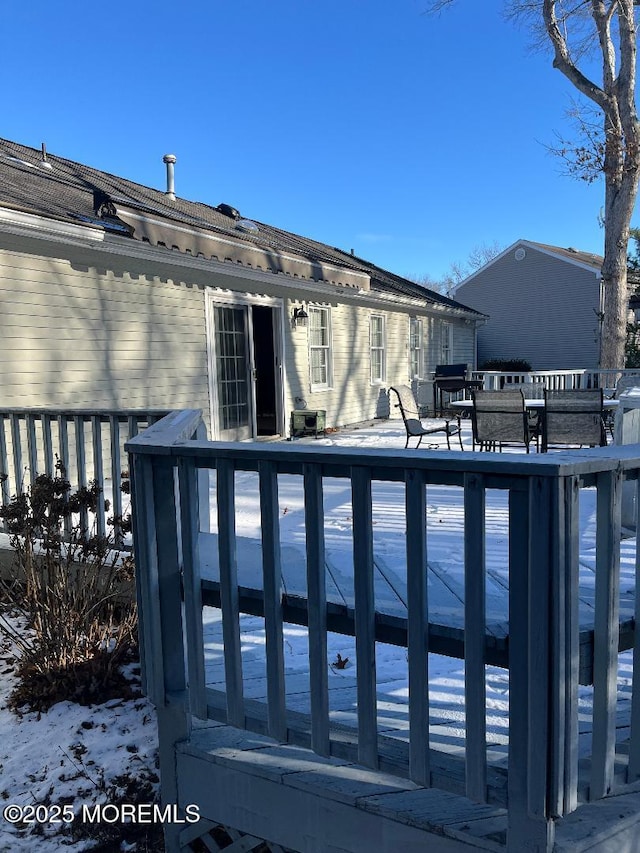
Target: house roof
{"type": "Point", "coordinates": [571, 254]}
{"type": "Point", "coordinates": [55, 188]}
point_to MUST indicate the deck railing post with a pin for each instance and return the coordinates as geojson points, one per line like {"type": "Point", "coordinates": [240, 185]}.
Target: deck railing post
{"type": "Point", "coordinates": [160, 611]}
{"type": "Point", "coordinates": [530, 825]}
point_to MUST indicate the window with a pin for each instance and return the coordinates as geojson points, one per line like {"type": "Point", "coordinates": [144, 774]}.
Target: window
{"type": "Point", "coordinates": [319, 347]}
{"type": "Point", "coordinates": [446, 343]}
{"type": "Point", "coordinates": [415, 347]}
{"type": "Point", "coordinates": [378, 367]}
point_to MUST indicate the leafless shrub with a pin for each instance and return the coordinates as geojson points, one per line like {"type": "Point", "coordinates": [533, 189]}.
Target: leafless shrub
{"type": "Point", "coordinates": [76, 590]}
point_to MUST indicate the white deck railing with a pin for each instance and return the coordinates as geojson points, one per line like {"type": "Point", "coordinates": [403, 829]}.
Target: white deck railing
{"type": "Point", "coordinates": [555, 379]}
{"type": "Point", "coordinates": [544, 777]}
{"type": "Point", "coordinates": [89, 444]}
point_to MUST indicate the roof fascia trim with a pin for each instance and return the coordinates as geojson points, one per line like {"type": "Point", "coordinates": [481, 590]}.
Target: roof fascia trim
{"type": "Point", "coordinates": [33, 224]}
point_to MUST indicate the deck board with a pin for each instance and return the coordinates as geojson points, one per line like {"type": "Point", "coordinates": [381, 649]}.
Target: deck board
{"type": "Point", "coordinates": [359, 809]}
{"type": "Point", "coordinates": [445, 588]}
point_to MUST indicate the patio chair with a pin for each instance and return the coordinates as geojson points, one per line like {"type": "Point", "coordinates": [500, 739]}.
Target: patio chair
{"type": "Point", "coordinates": [411, 417]}
{"type": "Point", "coordinates": [499, 418]}
{"type": "Point", "coordinates": [573, 418]}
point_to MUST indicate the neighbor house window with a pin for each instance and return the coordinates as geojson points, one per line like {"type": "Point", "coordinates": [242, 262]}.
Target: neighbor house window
{"type": "Point", "coordinates": [378, 355]}
{"type": "Point", "coordinates": [415, 347]}
{"type": "Point", "coordinates": [319, 347]}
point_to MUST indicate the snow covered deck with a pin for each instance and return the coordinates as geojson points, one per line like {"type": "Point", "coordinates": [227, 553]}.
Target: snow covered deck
{"type": "Point", "coordinates": [336, 534]}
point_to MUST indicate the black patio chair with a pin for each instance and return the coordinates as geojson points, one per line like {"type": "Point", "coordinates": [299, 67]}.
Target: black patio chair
{"type": "Point", "coordinates": [499, 418]}
{"type": "Point", "coordinates": [411, 416]}
{"type": "Point", "coordinates": [573, 418]}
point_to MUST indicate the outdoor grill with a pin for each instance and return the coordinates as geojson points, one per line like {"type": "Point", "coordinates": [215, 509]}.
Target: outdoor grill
{"type": "Point", "coordinates": [451, 378]}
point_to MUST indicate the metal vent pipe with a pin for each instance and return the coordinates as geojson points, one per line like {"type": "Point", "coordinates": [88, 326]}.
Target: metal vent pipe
{"type": "Point", "coordinates": [170, 159]}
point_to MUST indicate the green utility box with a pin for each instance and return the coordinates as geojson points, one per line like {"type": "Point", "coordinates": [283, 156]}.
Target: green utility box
{"type": "Point", "coordinates": [308, 422]}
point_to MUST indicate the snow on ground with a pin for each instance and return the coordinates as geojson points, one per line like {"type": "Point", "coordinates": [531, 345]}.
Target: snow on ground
{"type": "Point", "coordinates": [70, 755]}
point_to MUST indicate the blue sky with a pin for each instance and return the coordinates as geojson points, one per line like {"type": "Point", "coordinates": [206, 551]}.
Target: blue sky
{"type": "Point", "coordinates": [368, 125]}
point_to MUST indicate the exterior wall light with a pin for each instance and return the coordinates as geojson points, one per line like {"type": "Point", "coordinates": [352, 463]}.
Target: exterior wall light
{"type": "Point", "coordinates": [299, 317]}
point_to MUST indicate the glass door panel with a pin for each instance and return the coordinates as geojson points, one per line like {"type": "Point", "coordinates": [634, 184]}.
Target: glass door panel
{"type": "Point", "coordinates": [233, 373]}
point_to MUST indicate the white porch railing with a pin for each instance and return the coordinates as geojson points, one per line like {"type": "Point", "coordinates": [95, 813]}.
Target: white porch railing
{"type": "Point", "coordinates": [555, 379]}
{"type": "Point", "coordinates": [89, 444]}
{"type": "Point", "coordinates": [534, 381]}
{"type": "Point", "coordinates": [545, 779]}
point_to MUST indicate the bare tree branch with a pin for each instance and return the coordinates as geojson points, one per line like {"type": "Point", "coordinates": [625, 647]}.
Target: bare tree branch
{"type": "Point", "coordinates": [608, 147]}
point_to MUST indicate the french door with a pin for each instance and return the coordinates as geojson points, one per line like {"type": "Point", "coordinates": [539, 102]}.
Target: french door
{"type": "Point", "coordinates": [247, 382]}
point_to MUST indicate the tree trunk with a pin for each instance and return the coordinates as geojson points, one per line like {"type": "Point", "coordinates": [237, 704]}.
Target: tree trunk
{"type": "Point", "coordinates": [619, 203]}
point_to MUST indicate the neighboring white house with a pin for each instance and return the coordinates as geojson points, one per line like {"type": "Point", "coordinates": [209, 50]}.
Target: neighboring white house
{"type": "Point", "coordinates": [544, 305]}
{"type": "Point", "coordinates": [114, 295]}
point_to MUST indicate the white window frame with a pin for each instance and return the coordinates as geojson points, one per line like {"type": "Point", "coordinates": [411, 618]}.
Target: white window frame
{"type": "Point", "coordinates": [326, 349]}
{"type": "Point", "coordinates": [381, 349]}
{"type": "Point", "coordinates": [446, 343]}
{"type": "Point", "coordinates": [416, 348]}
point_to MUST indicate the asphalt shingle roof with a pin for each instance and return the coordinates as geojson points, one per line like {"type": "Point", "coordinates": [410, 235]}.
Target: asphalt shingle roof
{"type": "Point", "coordinates": [589, 258]}
{"type": "Point", "coordinates": [62, 189]}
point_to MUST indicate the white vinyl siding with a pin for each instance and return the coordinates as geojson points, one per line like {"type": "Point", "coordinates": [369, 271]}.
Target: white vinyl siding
{"type": "Point", "coordinates": [319, 347]}
{"type": "Point", "coordinates": [95, 330]}
{"type": "Point", "coordinates": [378, 348]}
{"type": "Point", "coordinates": [82, 336]}
{"type": "Point", "coordinates": [416, 361]}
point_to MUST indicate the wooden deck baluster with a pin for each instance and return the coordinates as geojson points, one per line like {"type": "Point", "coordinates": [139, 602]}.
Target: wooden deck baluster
{"type": "Point", "coordinates": [565, 660]}
{"type": "Point", "coordinates": [317, 609]}
{"type": "Point", "coordinates": [272, 580]}
{"type": "Point", "coordinates": [47, 444]}
{"type": "Point", "coordinates": [32, 447]}
{"type": "Point", "coordinates": [116, 476]}
{"type": "Point", "coordinates": [98, 472]}
{"type": "Point", "coordinates": [16, 447]}
{"type": "Point", "coordinates": [226, 501]}
{"type": "Point", "coordinates": [81, 464]}
{"type": "Point", "coordinates": [365, 616]}
{"type": "Point", "coordinates": [633, 770]}
{"type": "Point", "coordinates": [605, 646]}
{"type": "Point", "coordinates": [4, 462]}
{"type": "Point", "coordinates": [474, 638]}
{"type": "Point", "coordinates": [417, 627]}
{"type": "Point", "coordinates": [189, 514]}
{"type": "Point", "coordinates": [63, 456]}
